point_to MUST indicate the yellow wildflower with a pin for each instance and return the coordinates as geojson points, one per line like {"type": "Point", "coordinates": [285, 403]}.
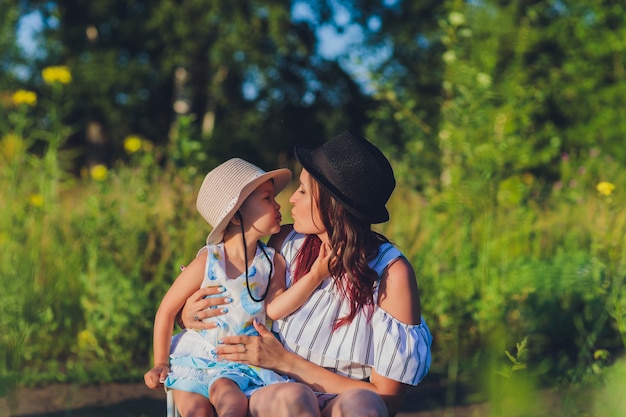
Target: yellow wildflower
{"type": "Point", "coordinates": [605, 188]}
{"type": "Point", "coordinates": [11, 146]}
{"type": "Point", "coordinates": [99, 172]}
{"type": "Point", "coordinates": [35, 200]}
{"type": "Point", "coordinates": [24, 97]}
{"type": "Point", "coordinates": [132, 143]}
{"type": "Point", "coordinates": [59, 74]}
{"type": "Point", "coordinates": [86, 340]}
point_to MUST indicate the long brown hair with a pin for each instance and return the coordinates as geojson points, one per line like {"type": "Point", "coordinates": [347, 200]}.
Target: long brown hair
{"type": "Point", "coordinates": [353, 243]}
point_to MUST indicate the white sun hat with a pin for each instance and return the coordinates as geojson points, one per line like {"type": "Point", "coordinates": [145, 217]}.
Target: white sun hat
{"type": "Point", "coordinates": [227, 186]}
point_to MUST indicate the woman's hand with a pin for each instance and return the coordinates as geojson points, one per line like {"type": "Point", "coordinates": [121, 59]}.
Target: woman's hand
{"type": "Point", "coordinates": [265, 350]}
{"type": "Point", "coordinates": [201, 305]}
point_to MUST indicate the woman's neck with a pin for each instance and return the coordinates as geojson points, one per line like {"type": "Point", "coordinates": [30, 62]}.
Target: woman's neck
{"type": "Point", "coordinates": [324, 237]}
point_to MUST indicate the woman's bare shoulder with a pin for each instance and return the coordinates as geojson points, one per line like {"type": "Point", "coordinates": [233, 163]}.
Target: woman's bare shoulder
{"type": "Point", "coordinates": [399, 293]}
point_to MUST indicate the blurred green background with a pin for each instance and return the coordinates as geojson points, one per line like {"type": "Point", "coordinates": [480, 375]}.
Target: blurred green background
{"type": "Point", "coordinates": [504, 122]}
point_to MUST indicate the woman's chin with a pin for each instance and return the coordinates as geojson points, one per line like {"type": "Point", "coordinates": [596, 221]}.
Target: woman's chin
{"type": "Point", "coordinates": [298, 227]}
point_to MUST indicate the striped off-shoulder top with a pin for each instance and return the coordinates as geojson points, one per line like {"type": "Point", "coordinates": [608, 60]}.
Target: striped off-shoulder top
{"type": "Point", "coordinates": [396, 350]}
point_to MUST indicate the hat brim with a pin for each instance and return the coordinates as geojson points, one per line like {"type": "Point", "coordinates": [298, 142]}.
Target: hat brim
{"type": "Point", "coordinates": [305, 157]}
{"type": "Point", "coordinates": [281, 178]}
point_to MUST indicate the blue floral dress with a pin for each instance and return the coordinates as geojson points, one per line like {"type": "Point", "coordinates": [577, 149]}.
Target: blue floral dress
{"type": "Point", "coordinates": [193, 367]}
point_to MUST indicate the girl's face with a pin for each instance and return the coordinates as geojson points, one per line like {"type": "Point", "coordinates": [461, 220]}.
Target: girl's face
{"type": "Point", "coordinates": [305, 211]}
{"type": "Point", "coordinates": [261, 212]}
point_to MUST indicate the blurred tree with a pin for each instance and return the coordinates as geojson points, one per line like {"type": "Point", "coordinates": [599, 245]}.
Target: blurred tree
{"type": "Point", "coordinates": [529, 82]}
{"type": "Point", "coordinates": [9, 52]}
{"type": "Point", "coordinates": [406, 79]}
{"type": "Point", "coordinates": [487, 133]}
{"type": "Point", "coordinates": [448, 89]}
{"type": "Point", "coordinates": [395, 54]}
{"type": "Point", "coordinates": [248, 76]}
{"type": "Point", "coordinates": [575, 61]}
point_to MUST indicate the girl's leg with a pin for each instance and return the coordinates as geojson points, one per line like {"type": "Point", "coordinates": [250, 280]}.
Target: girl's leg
{"type": "Point", "coordinates": [356, 402]}
{"type": "Point", "coordinates": [190, 404]}
{"type": "Point", "coordinates": [228, 399]}
{"type": "Point", "coordinates": [288, 399]}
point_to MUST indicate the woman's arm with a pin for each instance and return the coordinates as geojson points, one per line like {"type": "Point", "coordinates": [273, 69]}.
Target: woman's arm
{"type": "Point", "coordinates": [267, 351]}
{"type": "Point", "coordinates": [399, 296]}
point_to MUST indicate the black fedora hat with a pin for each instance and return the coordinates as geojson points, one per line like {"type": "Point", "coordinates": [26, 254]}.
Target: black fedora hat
{"type": "Point", "coordinates": [355, 172]}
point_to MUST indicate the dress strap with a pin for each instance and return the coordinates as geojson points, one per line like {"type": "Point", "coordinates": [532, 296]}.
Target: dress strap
{"type": "Point", "coordinates": [387, 253]}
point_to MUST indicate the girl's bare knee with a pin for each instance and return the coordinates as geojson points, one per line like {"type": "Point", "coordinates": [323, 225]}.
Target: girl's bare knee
{"type": "Point", "coordinates": [228, 399]}
{"type": "Point", "coordinates": [190, 404]}
{"type": "Point", "coordinates": [221, 386]}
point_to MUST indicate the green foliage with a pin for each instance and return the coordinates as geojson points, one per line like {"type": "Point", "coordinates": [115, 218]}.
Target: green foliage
{"type": "Point", "coordinates": [498, 148]}
{"type": "Point", "coordinates": [487, 91]}
{"type": "Point", "coordinates": [545, 268]}
{"type": "Point", "coordinates": [577, 62]}
{"type": "Point", "coordinates": [84, 262]}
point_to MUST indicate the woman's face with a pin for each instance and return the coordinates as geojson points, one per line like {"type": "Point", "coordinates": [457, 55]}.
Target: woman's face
{"type": "Point", "coordinates": [305, 211]}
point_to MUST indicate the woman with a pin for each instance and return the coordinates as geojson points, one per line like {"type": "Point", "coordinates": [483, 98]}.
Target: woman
{"type": "Point", "coordinates": [359, 338]}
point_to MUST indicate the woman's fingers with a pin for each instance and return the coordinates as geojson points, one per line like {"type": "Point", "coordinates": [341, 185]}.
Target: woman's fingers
{"type": "Point", "coordinates": [263, 331]}
{"type": "Point", "coordinates": [203, 304]}
{"type": "Point", "coordinates": [213, 309]}
{"type": "Point", "coordinates": [197, 321]}
{"type": "Point", "coordinates": [200, 294]}
{"type": "Point", "coordinates": [263, 350]}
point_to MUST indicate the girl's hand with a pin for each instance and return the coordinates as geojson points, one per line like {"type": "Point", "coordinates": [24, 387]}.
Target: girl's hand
{"type": "Point", "coordinates": [155, 377]}
{"type": "Point", "coordinates": [198, 308]}
{"type": "Point", "coordinates": [321, 264]}
{"type": "Point", "coordinates": [265, 350]}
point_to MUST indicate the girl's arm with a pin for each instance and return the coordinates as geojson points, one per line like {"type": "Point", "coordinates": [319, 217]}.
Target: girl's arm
{"type": "Point", "coordinates": [282, 302]}
{"type": "Point", "coordinates": [185, 284]}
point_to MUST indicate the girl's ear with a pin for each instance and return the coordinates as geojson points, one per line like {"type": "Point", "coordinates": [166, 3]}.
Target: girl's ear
{"type": "Point", "coordinates": [236, 219]}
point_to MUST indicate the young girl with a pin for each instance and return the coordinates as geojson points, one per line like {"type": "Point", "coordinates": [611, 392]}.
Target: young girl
{"type": "Point", "coordinates": [238, 200]}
